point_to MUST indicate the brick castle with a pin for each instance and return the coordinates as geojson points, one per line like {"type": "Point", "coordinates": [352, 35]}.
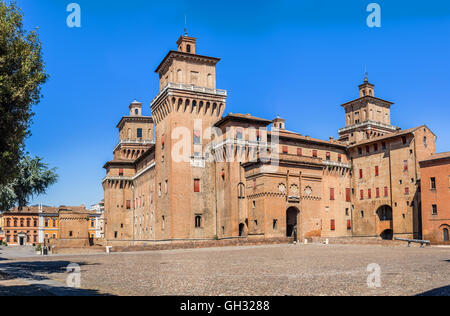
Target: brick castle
{"type": "Point", "coordinates": [190, 173]}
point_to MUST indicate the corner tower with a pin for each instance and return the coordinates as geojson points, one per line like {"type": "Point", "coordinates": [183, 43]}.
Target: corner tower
{"type": "Point", "coordinates": [366, 117]}
{"type": "Point", "coordinates": [185, 109]}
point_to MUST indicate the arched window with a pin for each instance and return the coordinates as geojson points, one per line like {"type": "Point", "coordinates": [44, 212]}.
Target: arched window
{"type": "Point", "coordinates": [188, 48]}
{"type": "Point", "coordinates": [445, 232]}
{"type": "Point", "coordinates": [136, 111]}
{"type": "Point", "coordinates": [198, 221]}
{"type": "Point", "coordinates": [179, 75]}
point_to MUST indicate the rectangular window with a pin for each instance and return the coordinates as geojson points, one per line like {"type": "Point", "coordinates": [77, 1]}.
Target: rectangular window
{"type": "Point", "coordinates": [315, 153]}
{"type": "Point", "coordinates": [349, 224]}
{"type": "Point", "coordinates": [163, 141]}
{"type": "Point", "coordinates": [258, 135]}
{"type": "Point", "coordinates": [197, 185]}
{"type": "Point", "coordinates": [433, 183]}
{"type": "Point", "coordinates": [383, 145]}
{"type": "Point", "coordinates": [347, 195]}
{"type": "Point", "coordinates": [239, 134]}
{"type": "Point", "coordinates": [359, 151]}
{"type": "Point", "coordinates": [299, 152]}
{"type": "Point", "coordinates": [406, 191]}
{"type": "Point", "coordinates": [369, 193]}
{"type": "Point", "coordinates": [120, 172]}
{"type": "Point", "coordinates": [377, 171]}
{"type": "Point", "coordinates": [328, 156]}
{"type": "Point", "coordinates": [367, 149]}
{"type": "Point", "coordinates": [386, 192]}
{"type": "Point", "coordinates": [332, 194]}
{"type": "Point", "coordinates": [360, 173]}
{"type": "Point", "coordinates": [285, 149]}
{"type": "Point", "coordinates": [434, 210]}
{"type": "Point", "coordinates": [197, 138]}
{"type": "Point", "coordinates": [405, 165]}
{"type": "Point", "coordinates": [339, 158]}
{"type": "Point", "coordinates": [333, 224]}
{"type": "Point", "coordinates": [375, 147]}
{"type": "Point", "coordinates": [361, 194]}
{"type": "Point", "coordinates": [404, 140]}
{"type": "Point", "coordinates": [128, 204]}
{"type": "Point", "coordinates": [378, 192]}
{"type": "Point", "coordinates": [139, 133]}
{"type": "Point", "coordinates": [254, 183]}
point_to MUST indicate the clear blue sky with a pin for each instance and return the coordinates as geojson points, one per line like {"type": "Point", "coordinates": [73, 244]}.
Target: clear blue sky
{"type": "Point", "coordinates": [301, 59]}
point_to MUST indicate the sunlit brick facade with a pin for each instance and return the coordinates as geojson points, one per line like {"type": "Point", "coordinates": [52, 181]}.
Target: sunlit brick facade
{"type": "Point", "coordinates": [189, 172]}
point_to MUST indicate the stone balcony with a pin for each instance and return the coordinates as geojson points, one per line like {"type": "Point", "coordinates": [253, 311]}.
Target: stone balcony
{"type": "Point", "coordinates": [134, 142]}
{"type": "Point", "coordinates": [368, 124]}
{"type": "Point", "coordinates": [191, 88]}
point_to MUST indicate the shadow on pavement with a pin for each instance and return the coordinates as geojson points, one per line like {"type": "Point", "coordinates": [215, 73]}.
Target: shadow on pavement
{"type": "Point", "coordinates": [44, 290]}
{"type": "Point", "coordinates": [34, 269]}
{"type": "Point", "coordinates": [442, 291]}
{"type": "Point", "coordinates": [13, 275]}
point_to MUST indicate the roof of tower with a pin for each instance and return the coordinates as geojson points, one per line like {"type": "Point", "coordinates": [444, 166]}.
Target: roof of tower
{"type": "Point", "coordinates": [173, 54]}
{"type": "Point", "coordinates": [142, 119]}
{"type": "Point", "coordinates": [368, 97]}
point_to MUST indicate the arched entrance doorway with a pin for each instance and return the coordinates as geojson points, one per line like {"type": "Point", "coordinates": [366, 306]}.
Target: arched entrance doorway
{"type": "Point", "coordinates": [384, 213]}
{"type": "Point", "coordinates": [292, 222]}
{"type": "Point", "coordinates": [388, 234]}
{"type": "Point", "coordinates": [241, 229]}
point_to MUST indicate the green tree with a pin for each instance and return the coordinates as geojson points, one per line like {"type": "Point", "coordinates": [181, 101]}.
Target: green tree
{"type": "Point", "coordinates": [21, 77]}
{"type": "Point", "coordinates": [33, 179]}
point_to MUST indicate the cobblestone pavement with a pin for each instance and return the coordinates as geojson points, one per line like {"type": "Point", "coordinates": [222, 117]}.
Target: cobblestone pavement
{"type": "Point", "coordinates": [264, 270]}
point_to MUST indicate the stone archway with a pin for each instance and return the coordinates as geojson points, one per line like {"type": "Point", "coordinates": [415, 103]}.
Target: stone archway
{"type": "Point", "coordinates": [387, 234]}
{"type": "Point", "coordinates": [384, 213]}
{"type": "Point", "coordinates": [292, 222]}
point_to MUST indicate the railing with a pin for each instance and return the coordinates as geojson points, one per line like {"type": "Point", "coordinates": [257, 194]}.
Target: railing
{"type": "Point", "coordinates": [134, 142]}
{"type": "Point", "coordinates": [421, 242]}
{"type": "Point", "coordinates": [374, 123]}
{"type": "Point", "coordinates": [337, 164]}
{"type": "Point", "coordinates": [190, 87]}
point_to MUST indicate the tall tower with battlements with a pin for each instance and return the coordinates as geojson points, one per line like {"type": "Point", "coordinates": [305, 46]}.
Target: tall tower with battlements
{"type": "Point", "coordinates": [186, 107]}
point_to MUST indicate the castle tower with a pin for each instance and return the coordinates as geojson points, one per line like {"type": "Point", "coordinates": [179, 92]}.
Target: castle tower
{"type": "Point", "coordinates": [136, 136]}
{"type": "Point", "coordinates": [366, 117]}
{"type": "Point", "coordinates": [279, 124]}
{"type": "Point", "coordinates": [185, 110]}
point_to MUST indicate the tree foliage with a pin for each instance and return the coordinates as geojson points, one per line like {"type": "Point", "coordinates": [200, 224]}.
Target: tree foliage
{"type": "Point", "coordinates": [21, 75]}
{"type": "Point", "coordinates": [33, 179]}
